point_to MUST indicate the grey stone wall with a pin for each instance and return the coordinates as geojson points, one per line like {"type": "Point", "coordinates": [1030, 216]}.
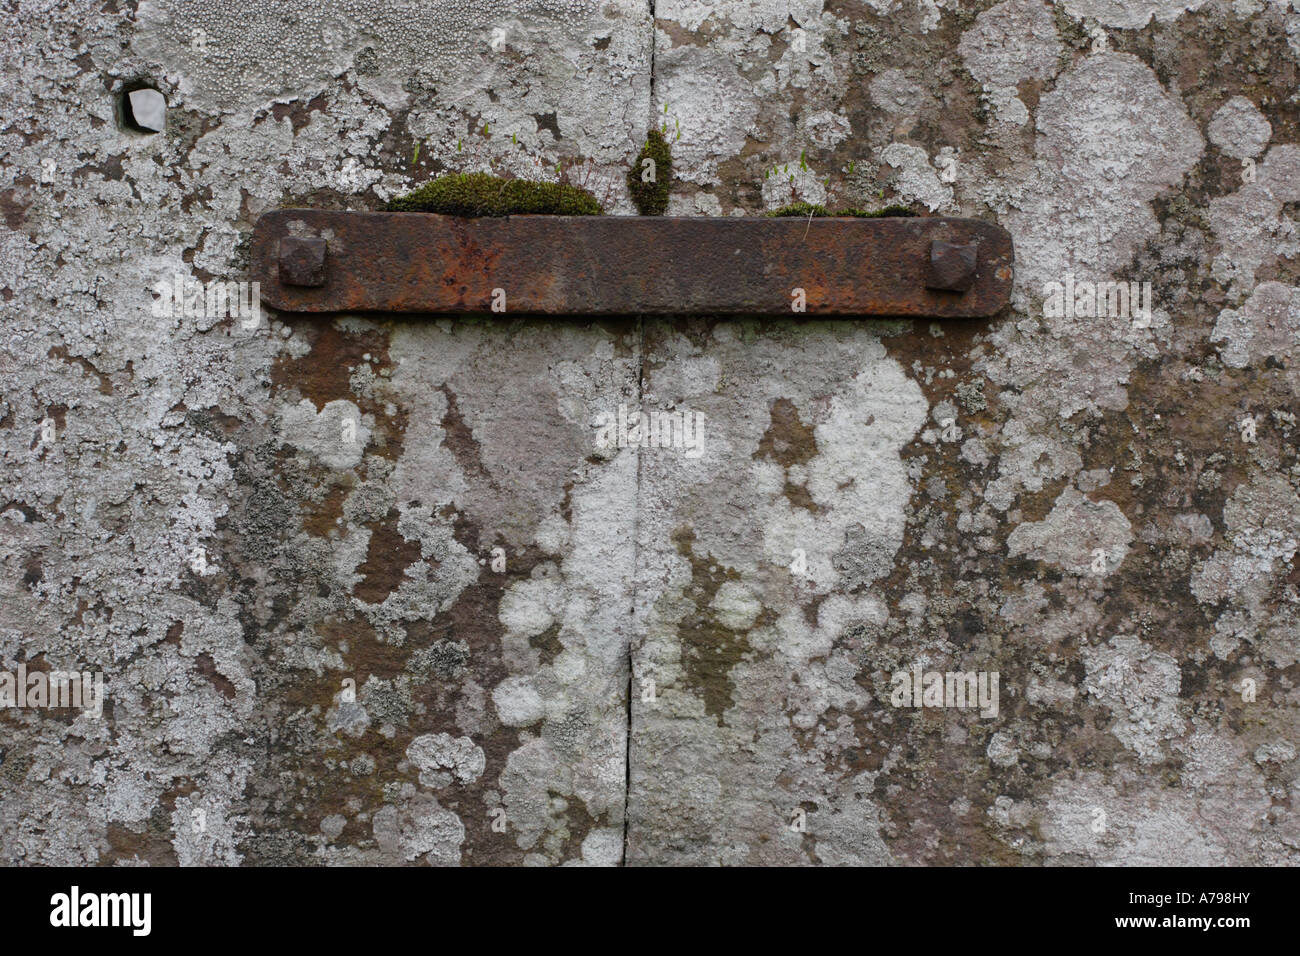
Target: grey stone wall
{"type": "Point", "coordinates": [374, 591]}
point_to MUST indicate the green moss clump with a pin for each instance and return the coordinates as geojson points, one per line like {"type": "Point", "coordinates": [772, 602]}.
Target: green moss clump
{"type": "Point", "coordinates": [806, 209]}
{"type": "Point", "coordinates": [482, 194]}
{"type": "Point", "coordinates": [887, 212]}
{"type": "Point", "coordinates": [799, 209]}
{"type": "Point", "coordinates": [651, 198]}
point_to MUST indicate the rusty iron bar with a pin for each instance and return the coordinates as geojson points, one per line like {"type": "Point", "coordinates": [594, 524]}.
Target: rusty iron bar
{"type": "Point", "coordinates": [326, 261]}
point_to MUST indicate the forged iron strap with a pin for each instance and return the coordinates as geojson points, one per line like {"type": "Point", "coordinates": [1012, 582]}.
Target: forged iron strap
{"type": "Point", "coordinates": [325, 261]}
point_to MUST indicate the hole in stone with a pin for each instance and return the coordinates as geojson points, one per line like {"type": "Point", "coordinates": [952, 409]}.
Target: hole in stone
{"type": "Point", "coordinates": [142, 108]}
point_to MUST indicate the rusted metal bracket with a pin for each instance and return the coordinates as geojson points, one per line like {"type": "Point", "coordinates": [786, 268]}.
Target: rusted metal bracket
{"type": "Point", "coordinates": [321, 261]}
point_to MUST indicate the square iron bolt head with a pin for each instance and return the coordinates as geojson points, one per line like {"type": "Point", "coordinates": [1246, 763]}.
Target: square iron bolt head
{"type": "Point", "coordinates": [952, 266]}
{"type": "Point", "coordinates": [302, 261]}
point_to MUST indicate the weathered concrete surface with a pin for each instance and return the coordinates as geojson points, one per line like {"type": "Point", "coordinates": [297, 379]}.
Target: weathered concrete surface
{"type": "Point", "coordinates": [234, 523]}
{"type": "Point", "coordinates": [1066, 501]}
{"type": "Point", "coordinates": [754, 687]}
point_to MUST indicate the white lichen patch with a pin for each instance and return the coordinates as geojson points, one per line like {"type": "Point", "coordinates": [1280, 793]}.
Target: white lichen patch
{"type": "Point", "coordinates": [440, 758]}
{"type": "Point", "coordinates": [1262, 530]}
{"type": "Point", "coordinates": [1251, 224]}
{"type": "Point", "coordinates": [1139, 686]}
{"type": "Point", "coordinates": [1239, 129]}
{"type": "Point", "coordinates": [916, 179]}
{"type": "Point", "coordinates": [1012, 41]}
{"type": "Point", "coordinates": [1078, 535]}
{"type": "Point", "coordinates": [336, 435]}
{"type": "Point", "coordinates": [417, 828]}
{"type": "Point", "coordinates": [1128, 14]}
{"type": "Point", "coordinates": [1266, 326]}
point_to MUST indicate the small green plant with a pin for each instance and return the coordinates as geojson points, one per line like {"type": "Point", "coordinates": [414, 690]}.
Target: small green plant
{"type": "Point", "coordinates": [482, 194]}
{"type": "Point", "coordinates": [651, 175]}
{"type": "Point", "coordinates": [677, 124]}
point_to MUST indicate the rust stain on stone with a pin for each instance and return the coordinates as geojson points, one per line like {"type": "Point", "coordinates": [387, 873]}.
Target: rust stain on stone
{"type": "Point", "coordinates": [710, 649]}
{"type": "Point", "coordinates": [789, 442]}
{"type": "Point", "coordinates": [208, 668]}
{"type": "Point", "coordinates": [458, 437]}
{"type": "Point", "coordinates": [387, 557]}
{"type": "Point", "coordinates": [324, 373]}
{"type": "Point", "coordinates": [321, 518]}
{"type": "Point", "coordinates": [105, 386]}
